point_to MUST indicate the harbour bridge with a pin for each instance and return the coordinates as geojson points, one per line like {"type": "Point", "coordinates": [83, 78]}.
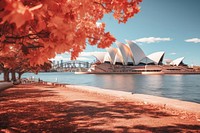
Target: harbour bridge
{"type": "Point", "coordinates": [71, 66]}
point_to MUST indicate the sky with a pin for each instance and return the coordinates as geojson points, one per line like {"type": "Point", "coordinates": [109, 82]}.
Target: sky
{"type": "Point", "coordinates": [172, 26]}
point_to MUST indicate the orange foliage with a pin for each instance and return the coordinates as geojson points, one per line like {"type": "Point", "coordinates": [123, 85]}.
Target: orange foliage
{"type": "Point", "coordinates": [46, 27]}
{"type": "Point", "coordinates": [12, 59]}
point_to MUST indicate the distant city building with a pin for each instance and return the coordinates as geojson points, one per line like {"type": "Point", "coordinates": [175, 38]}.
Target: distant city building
{"type": "Point", "coordinates": [58, 63]}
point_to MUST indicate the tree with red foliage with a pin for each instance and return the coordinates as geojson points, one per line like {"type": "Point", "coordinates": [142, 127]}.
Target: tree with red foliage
{"type": "Point", "coordinates": [12, 61]}
{"type": "Point", "coordinates": [42, 28]}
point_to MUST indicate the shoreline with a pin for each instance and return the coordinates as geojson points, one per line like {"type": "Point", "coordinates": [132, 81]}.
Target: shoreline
{"type": "Point", "coordinates": [168, 103]}
{"type": "Point", "coordinates": [164, 86]}
{"type": "Point", "coordinates": [52, 107]}
{"type": "Point", "coordinates": [144, 73]}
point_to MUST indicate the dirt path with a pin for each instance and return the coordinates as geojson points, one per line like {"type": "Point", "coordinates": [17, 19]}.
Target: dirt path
{"type": "Point", "coordinates": [38, 108]}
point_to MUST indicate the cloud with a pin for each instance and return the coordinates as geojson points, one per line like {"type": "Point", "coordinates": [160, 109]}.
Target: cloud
{"type": "Point", "coordinates": [193, 40]}
{"type": "Point", "coordinates": [172, 53]}
{"type": "Point", "coordinates": [151, 39]}
{"type": "Point", "coordinates": [83, 59]}
{"type": "Point", "coordinates": [60, 57]}
{"type": "Point", "coordinates": [89, 53]}
{"type": "Point", "coordinates": [83, 56]}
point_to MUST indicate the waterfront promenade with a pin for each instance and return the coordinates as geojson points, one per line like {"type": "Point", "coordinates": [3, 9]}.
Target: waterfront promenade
{"type": "Point", "coordinates": [37, 107]}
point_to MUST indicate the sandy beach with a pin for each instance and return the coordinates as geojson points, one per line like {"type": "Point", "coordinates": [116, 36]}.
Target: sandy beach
{"type": "Point", "coordinates": [47, 108]}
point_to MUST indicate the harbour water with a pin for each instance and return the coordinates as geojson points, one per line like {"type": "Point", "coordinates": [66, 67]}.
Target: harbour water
{"type": "Point", "coordinates": [182, 87]}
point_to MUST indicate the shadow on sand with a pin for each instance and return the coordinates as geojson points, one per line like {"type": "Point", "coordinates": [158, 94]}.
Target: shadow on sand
{"type": "Point", "coordinates": [32, 110]}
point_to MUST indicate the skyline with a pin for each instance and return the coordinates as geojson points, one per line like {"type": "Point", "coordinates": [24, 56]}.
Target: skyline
{"type": "Point", "coordinates": [170, 26]}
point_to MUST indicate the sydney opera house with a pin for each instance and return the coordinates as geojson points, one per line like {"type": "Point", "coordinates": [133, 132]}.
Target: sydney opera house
{"type": "Point", "coordinates": [130, 58]}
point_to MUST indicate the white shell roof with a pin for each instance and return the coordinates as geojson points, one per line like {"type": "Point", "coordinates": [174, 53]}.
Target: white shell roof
{"type": "Point", "coordinates": [125, 51]}
{"type": "Point", "coordinates": [146, 60]}
{"type": "Point", "coordinates": [99, 56]}
{"type": "Point", "coordinates": [112, 53]}
{"type": "Point", "coordinates": [107, 58]}
{"type": "Point", "coordinates": [177, 61]}
{"type": "Point", "coordinates": [118, 57]}
{"type": "Point", "coordinates": [131, 52]}
{"type": "Point", "coordinates": [156, 57]}
{"type": "Point", "coordinates": [130, 57]}
{"type": "Point", "coordinates": [137, 52]}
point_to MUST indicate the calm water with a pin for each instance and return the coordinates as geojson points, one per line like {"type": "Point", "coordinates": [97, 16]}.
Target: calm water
{"type": "Point", "coordinates": [183, 87]}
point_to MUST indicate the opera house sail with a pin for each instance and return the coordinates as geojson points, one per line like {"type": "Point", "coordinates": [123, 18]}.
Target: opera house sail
{"type": "Point", "coordinates": [130, 58]}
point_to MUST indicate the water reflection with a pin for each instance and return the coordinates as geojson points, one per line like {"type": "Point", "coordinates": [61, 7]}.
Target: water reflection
{"type": "Point", "coordinates": [172, 84]}
{"type": "Point", "coordinates": [183, 87]}
{"type": "Point", "coordinates": [151, 84]}
{"type": "Point", "coordinates": [176, 84]}
{"type": "Point", "coordinates": [116, 82]}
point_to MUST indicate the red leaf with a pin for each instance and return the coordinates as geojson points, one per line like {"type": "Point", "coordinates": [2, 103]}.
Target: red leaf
{"type": "Point", "coordinates": [18, 14]}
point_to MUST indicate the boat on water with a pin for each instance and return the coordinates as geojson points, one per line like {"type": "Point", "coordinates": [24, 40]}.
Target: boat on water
{"type": "Point", "coordinates": [130, 59]}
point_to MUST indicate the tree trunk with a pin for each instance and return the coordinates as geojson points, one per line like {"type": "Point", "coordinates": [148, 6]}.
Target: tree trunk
{"type": "Point", "coordinates": [13, 75]}
{"type": "Point", "coordinates": [6, 75]}
{"type": "Point", "coordinates": [20, 75]}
